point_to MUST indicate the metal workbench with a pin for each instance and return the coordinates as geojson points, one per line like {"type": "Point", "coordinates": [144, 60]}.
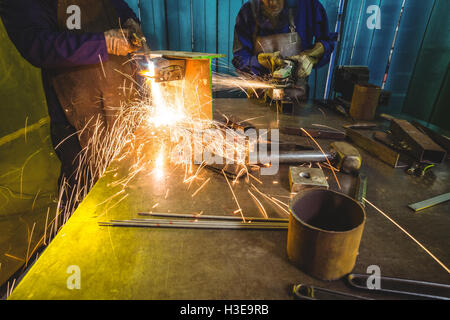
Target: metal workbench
{"type": "Point", "coordinates": [139, 263]}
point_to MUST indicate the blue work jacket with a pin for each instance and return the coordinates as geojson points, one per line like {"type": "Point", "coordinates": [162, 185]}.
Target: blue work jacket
{"type": "Point", "coordinates": [311, 23]}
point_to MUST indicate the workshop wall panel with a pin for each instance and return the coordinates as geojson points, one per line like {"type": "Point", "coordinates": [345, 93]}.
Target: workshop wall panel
{"type": "Point", "coordinates": [409, 39]}
{"type": "Point", "coordinates": [153, 17]}
{"type": "Point", "coordinates": [332, 8]}
{"type": "Point", "coordinates": [427, 86]}
{"type": "Point", "coordinates": [350, 31]}
{"type": "Point", "coordinates": [379, 51]}
{"type": "Point", "coordinates": [366, 42]}
{"type": "Point", "coordinates": [440, 115]}
{"type": "Point", "coordinates": [362, 37]}
{"type": "Point", "coordinates": [226, 19]}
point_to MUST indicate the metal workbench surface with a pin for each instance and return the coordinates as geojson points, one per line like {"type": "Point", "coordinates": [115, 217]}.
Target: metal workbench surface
{"type": "Point", "coordinates": [140, 263]}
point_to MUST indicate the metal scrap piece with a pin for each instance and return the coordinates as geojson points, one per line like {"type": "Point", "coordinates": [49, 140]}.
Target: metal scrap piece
{"type": "Point", "coordinates": [375, 148]}
{"type": "Point", "coordinates": [422, 147]}
{"type": "Point", "coordinates": [301, 178]}
{"type": "Point", "coordinates": [315, 133]}
{"type": "Point", "coordinates": [430, 202]}
{"type": "Point", "coordinates": [441, 140]}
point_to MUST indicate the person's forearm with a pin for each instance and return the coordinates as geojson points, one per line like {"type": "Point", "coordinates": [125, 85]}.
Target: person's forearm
{"type": "Point", "coordinates": [247, 63]}
{"type": "Point", "coordinates": [46, 49]}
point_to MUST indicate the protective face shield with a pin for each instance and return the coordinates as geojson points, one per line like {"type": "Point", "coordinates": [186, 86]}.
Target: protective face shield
{"type": "Point", "coordinates": [273, 7]}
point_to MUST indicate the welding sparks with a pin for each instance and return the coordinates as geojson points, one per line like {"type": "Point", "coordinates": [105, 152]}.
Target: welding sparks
{"type": "Point", "coordinates": [239, 83]}
{"type": "Point", "coordinates": [156, 130]}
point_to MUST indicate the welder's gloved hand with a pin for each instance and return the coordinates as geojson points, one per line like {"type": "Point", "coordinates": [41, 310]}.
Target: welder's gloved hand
{"type": "Point", "coordinates": [117, 42]}
{"type": "Point", "coordinates": [137, 35]}
{"type": "Point", "coordinates": [271, 61]}
{"type": "Point", "coordinates": [308, 59]}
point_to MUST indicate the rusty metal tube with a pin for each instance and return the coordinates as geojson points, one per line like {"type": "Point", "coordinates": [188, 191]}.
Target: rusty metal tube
{"type": "Point", "coordinates": [325, 230]}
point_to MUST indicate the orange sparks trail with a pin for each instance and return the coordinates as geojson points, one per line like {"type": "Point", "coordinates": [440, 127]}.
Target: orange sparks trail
{"type": "Point", "coordinates": [409, 235]}
{"type": "Point", "coordinates": [259, 204]}
{"type": "Point", "coordinates": [270, 199]}
{"type": "Point", "coordinates": [237, 202]}
{"type": "Point", "coordinates": [14, 257]}
{"type": "Point", "coordinates": [329, 163]}
{"type": "Point", "coordinates": [201, 187]}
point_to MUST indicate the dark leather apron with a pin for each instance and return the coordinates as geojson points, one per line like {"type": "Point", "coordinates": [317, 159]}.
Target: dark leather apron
{"type": "Point", "coordinates": [288, 44]}
{"type": "Point", "coordinates": [92, 95]}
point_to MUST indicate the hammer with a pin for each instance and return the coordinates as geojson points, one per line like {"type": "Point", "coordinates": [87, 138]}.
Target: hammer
{"type": "Point", "coordinates": [347, 159]}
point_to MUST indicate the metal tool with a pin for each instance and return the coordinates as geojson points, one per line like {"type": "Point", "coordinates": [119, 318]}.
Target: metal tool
{"type": "Point", "coordinates": [304, 292]}
{"type": "Point", "coordinates": [285, 75]}
{"type": "Point", "coordinates": [283, 78]}
{"type": "Point", "coordinates": [137, 41]}
{"type": "Point", "coordinates": [419, 289]}
{"type": "Point", "coordinates": [347, 159]}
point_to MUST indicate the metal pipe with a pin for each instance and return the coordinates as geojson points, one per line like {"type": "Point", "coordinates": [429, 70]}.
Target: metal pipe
{"type": "Point", "coordinates": [304, 156]}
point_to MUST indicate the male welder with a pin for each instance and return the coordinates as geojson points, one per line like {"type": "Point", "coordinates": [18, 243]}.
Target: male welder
{"type": "Point", "coordinates": [270, 33]}
{"type": "Point", "coordinates": [82, 47]}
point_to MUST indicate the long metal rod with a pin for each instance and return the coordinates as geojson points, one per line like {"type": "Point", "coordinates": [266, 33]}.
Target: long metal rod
{"type": "Point", "coordinates": [394, 41]}
{"type": "Point", "coordinates": [204, 222]}
{"type": "Point", "coordinates": [242, 226]}
{"type": "Point", "coordinates": [303, 157]}
{"type": "Point", "coordinates": [356, 32]}
{"type": "Point", "coordinates": [196, 216]}
{"type": "Point", "coordinates": [338, 30]}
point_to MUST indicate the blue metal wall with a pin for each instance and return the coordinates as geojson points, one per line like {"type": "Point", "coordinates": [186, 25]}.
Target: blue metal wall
{"type": "Point", "coordinates": [207, 26]}
{"type": "Point", "coordinates": [363, 46]}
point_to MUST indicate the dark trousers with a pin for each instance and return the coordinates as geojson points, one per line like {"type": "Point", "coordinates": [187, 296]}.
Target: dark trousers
{"type": "Point", "coordinates": [71, 182]}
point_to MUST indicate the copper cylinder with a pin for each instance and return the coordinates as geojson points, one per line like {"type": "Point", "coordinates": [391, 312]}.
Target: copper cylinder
{"type": "Point", "coordinates": [365, 102]}
{"type": "Point", "coordinates": [325, 230]}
